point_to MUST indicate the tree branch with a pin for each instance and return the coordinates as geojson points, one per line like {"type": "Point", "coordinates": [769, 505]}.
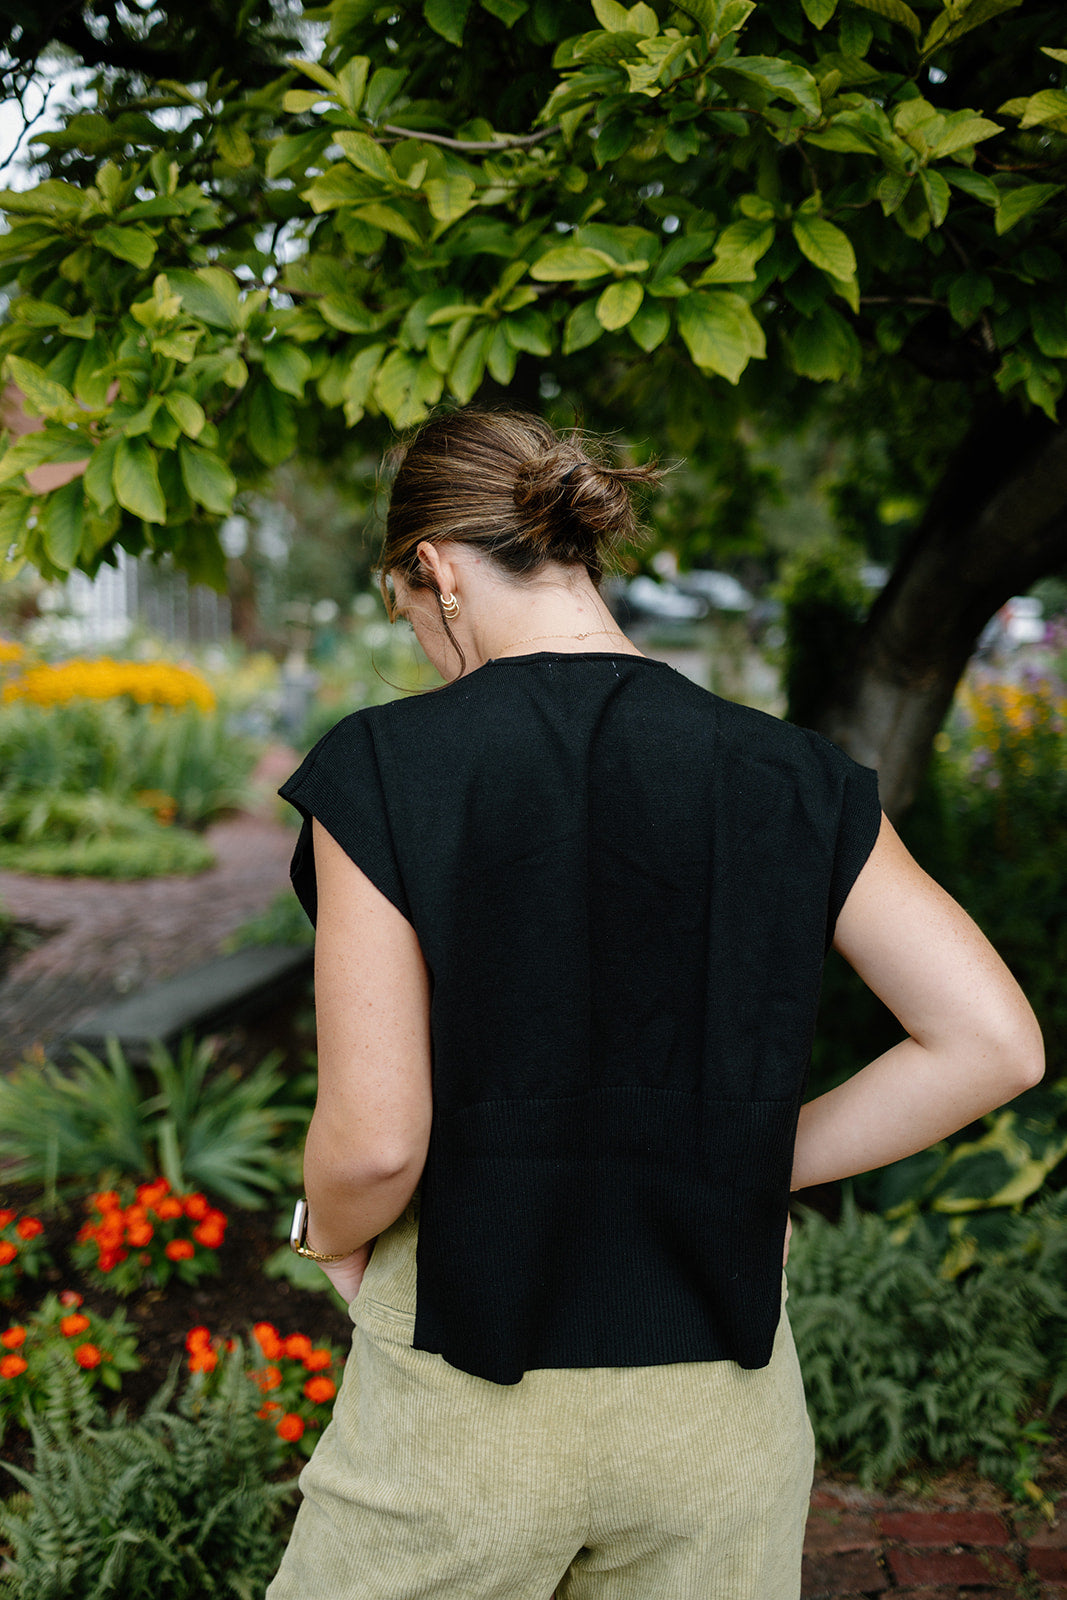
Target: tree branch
{"type": "Point", "coordinates": [508, 142]}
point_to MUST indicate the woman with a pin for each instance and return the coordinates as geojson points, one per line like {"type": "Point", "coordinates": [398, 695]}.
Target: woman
{"type": "Point", "coordinates": [571, 917]}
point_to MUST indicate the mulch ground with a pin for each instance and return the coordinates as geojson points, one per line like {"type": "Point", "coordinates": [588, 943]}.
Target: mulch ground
{"type": "Point", "coordinates": [83, 941]}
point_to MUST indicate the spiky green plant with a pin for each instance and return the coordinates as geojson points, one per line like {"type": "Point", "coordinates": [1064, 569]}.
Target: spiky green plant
{"type": "Point", "coordinates": [227, 1132]}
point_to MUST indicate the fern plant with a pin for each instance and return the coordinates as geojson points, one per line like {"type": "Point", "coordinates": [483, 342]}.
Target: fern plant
{"type": "Point", "coordinates": [178, 1503]}
{"type": "Point", "coordinates": [904, 1364]}
{"type": "Point", "coordinates": [222, 1131]}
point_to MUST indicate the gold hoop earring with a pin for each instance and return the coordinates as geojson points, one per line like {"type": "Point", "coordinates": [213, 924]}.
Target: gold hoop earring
{"type": "Point", "coordinates": [450, 606]}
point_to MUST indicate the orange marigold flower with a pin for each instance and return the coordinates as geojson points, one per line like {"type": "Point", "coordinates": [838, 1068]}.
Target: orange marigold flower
{"type": "Point", "coordinates": [109, 1259]}
{"type": "Point", "coordinates": [70, 1326]}
{"type": "Point", "coordinates": [106, 1200]}
{"type": "Point", "coordinates": [270, 1378]}
{"type": "Point", "coordinates": [70, 1297]}
{"type": "Point", "coordinates": [6, 1216]}
{"type": "Point", "coordinates": [196, 1206]}
{"type": "Point", "coordinates": [29, 1227]}
{"type": "Point", "coordinates": [13, 1367]}
{"type": "Point", "coordinates": [269, 1409]}
{"type": "Point", "coordinates": [88, 1355]}
{"type": "Point", "coordinates": [168, 1208]}
{"type": "Point", "coordinates": [110, 1234]}
{"type": "Point", "coordinates": [203, 1361]}
{"type": "Point", "coordinates": [180, 1250]}
{"type": "Point", "coordinates": [198, 1339]}
{"type": "Point", "coordinates": [207, 1235]}
{"type": "Point", "coordinates": [291, 1427]}
{"type": "Point", "coordinates": [139, 1234]}
{"type": "Point", "coordinates": [298, 1345]}
{"type": "Point", "coordinates": [13, 1337]}
{"type": "Point", "coordinates": [8, 1252]}
{"type": "Point", "coordinates": [149, 1193]}
{"type": "Point", "coordinates": [266, 1336]}
{"type": "Point", "coordinates": [315, 1360]}
{"type": "Point", "coordinates": [86, 1232]}
{"type": "Point", "coordinates": [320, 1390]}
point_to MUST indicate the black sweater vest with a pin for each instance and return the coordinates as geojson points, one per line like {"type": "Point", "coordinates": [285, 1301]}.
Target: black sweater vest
{"type": "Point", "coordinates": [624, 889]}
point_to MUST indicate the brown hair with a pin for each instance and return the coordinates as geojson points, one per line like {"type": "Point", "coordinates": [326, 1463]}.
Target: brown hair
{"type": "Point", "coordinates": [506, 483]}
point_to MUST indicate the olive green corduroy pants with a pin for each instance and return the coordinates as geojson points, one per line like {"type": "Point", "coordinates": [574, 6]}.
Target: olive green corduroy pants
{"type": "Point", "coordinates": [681, 1482]}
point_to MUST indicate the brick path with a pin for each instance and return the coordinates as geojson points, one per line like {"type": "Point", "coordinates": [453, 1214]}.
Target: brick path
{"type": "Point", "coordinates": [861, 1547]}
{"type": "Point", "coordinates": [106, 939]}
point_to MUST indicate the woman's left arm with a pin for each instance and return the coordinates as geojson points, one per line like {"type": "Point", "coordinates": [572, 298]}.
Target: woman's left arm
{"type": "Point", "coordinates": [366, 1146]}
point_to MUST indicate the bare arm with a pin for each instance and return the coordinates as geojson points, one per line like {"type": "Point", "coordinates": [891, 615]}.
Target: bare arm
{"type": "Point", "coordinates": [367, 1142]}
{"type": "Point", "coordinates": [973, 1041]}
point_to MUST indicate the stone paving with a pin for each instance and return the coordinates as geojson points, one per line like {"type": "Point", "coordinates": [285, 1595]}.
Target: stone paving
{"type": "Point", "coordinates": [106, 939]}
{"type": "Point", "coordinates": [861, 1547]}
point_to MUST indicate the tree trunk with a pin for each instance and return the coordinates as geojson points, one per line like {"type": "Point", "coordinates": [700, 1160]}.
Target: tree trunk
{"type": "Point", "coordinates": [996, 523]}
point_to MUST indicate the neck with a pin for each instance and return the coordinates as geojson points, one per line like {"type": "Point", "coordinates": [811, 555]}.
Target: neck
{"type": "Point", "coordinates": [570, 623]}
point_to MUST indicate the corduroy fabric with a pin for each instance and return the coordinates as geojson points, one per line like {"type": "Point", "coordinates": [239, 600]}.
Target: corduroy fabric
{"type": "Point", "coordinates": [624, 888]}
{"type": "Point", "coordinates": [676, 1482]}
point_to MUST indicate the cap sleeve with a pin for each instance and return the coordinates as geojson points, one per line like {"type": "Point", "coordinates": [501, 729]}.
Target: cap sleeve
{"type": "Point", "coordinates": [339, 783]}
{"type": "Point", "coordinates": [859, 820]}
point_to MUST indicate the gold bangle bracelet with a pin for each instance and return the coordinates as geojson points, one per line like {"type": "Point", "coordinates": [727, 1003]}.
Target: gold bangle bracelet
{"type": "Point", "coordinates": [298, 1237]}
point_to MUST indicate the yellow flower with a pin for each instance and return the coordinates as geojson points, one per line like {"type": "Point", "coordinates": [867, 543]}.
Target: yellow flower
{"type": "Point", "coordinates": [146, 683]}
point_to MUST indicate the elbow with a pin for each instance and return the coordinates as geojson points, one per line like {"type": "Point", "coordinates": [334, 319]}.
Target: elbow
{"type": "Point", "coordinates": [1022, 1057]}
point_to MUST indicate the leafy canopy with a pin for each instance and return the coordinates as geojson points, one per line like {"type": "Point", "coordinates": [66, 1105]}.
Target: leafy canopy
{"type": "Point", "coordinates": [452, 188]}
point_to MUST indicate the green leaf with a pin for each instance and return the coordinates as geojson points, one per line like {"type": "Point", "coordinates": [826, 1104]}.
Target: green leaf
{"type": "Point", "coordinates": [619, 303]}
{"type": "Point", "coordinates": [164, 434]}
{"type": "Point", "coordinates": [1048, 319]}
{"type": "Point", "coordinates": [271, 426]}
{"type": "Point", "coordinates": [135, 245]}
{"type": "Point", "coordinates": [449, 198]}
{"type": "Point", "coordinates": [44, 396]}
{"type": "Point", "coordinates": [359, 379]}
{"type": "Point", "coordinates": [210, 294]}
{"type": "Point", "coordinates": [819, 12]}
{"type": "Point", "coordinates": [502, 357]}
{"type": "Point", "coordinates": [368, 155]}
{"type": "Point", "coordinates": [15, 513]}
{"type": "Point", "coordinates": [1015, 204]}
{"type": "Point", "coordinates": [297, 101]}
{"type": "Point", "coordinates": [571, 263]}
{"type": "Point", "coordinates": [352, 81]}
{"type": "Point", "coordinates": [968, 296]}
{"type": "Point", "coordinates": [390, 220]}
{"type": "Point", "coordinates": [384, 86]}
{"type": "Point", "coordinates": [467, 370]}
{"type": "Point", "coordinates": [825, 245]}
{"type": "Point", "coordinates": [973, 184]}
{"type": "Point", "coordinates": [612, 16]}
{"type": "Point", "coordinates": [59, 523]}
{"type": "Point", "coordinates": [317, 74]}
{"type": "Point", "coordinates": [234, 146]}
{"type": "Point", "coordinates": [293, 151]}
{"type": "Point", "coordinates": [207, 478]}
{"type": "Point", "coordinates": [682, 141]}
{"type": "Point", "coordinates": [582, 327]}
{"type": "Point", "coordinates": [614, 139]}
{"type": "Point", "coordinates": [99, 474]}
{"type": "Point", "coordinates": [893, 11]}
{"type": "Point", "coordinates": [186, 412]}
{"type": "Point", "coordinates": [1047, 108]}
{"type": "Point", "coordinates": [507, 11]}
{"type": "Point", "coordinates": [650, 325]}
{"type": "Point", "coordinates": [135, 479]}
{"type": "Point", "coordinates": [447, 17]}
{"type": "Point", "coordinates": [287, 367]}
{"type": "Point", "coordinates": [937, 194]}
{"type": "Point", "coordinates": [737, 250]}
{"type": "Point", "coordinates": [43, 446]}
{"type": "Point", "coordinates": [962, 130]}
{"type": "Point", "coordinates": [824, 347]}
{"type": "Point", "coordinates": [720, 332]}
{"type": "Point", "coordinates": [529, 330]}
{"type": "Point", "coordinates": [777, 77]}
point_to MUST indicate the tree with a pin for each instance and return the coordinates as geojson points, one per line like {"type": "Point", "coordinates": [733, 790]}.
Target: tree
{"type": "Point", "coordinates": [684, 211]}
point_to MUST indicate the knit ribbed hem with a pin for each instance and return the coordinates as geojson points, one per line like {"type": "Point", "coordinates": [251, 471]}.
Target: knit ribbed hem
{"type": "Point", "coordinates": [623, 1227]}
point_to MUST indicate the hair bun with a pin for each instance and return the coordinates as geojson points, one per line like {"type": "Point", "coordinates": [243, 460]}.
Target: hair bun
{"type": "Point", "coordinates": [572, 506]}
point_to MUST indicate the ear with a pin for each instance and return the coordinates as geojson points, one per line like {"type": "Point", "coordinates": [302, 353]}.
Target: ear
{"type": "Point", "coordinates": [437, 567]}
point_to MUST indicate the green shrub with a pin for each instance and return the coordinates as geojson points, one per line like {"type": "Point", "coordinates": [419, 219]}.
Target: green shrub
{"type": "Point", "coordinates": [283, 922]}
{"type": "Point", "coordinates": [178, 1503]}
{"type": "Point", "coordinates": [218, 1131]}
{"type": "Point", "coordinates": [823, 601]}
{"type": "Point", "coordinates": [62, 1341]}
{"type": "Point", "coordinates": [902, 1364]}
{"type": "Point", "coordinates": [148, 854]}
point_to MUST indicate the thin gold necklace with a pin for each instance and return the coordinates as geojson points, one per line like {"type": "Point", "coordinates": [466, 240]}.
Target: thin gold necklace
{"type": "Point", "coordinates": [542, 638]}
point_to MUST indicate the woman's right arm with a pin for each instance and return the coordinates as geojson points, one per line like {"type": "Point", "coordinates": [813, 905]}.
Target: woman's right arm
{"type": "Point", "coordinates": [973, 1041]}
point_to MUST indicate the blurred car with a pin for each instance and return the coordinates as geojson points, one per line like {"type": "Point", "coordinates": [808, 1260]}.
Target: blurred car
{"type": "Point", "coordinates": [662, 602]}
{"type": "Point", "coordinates": [719, 589]}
